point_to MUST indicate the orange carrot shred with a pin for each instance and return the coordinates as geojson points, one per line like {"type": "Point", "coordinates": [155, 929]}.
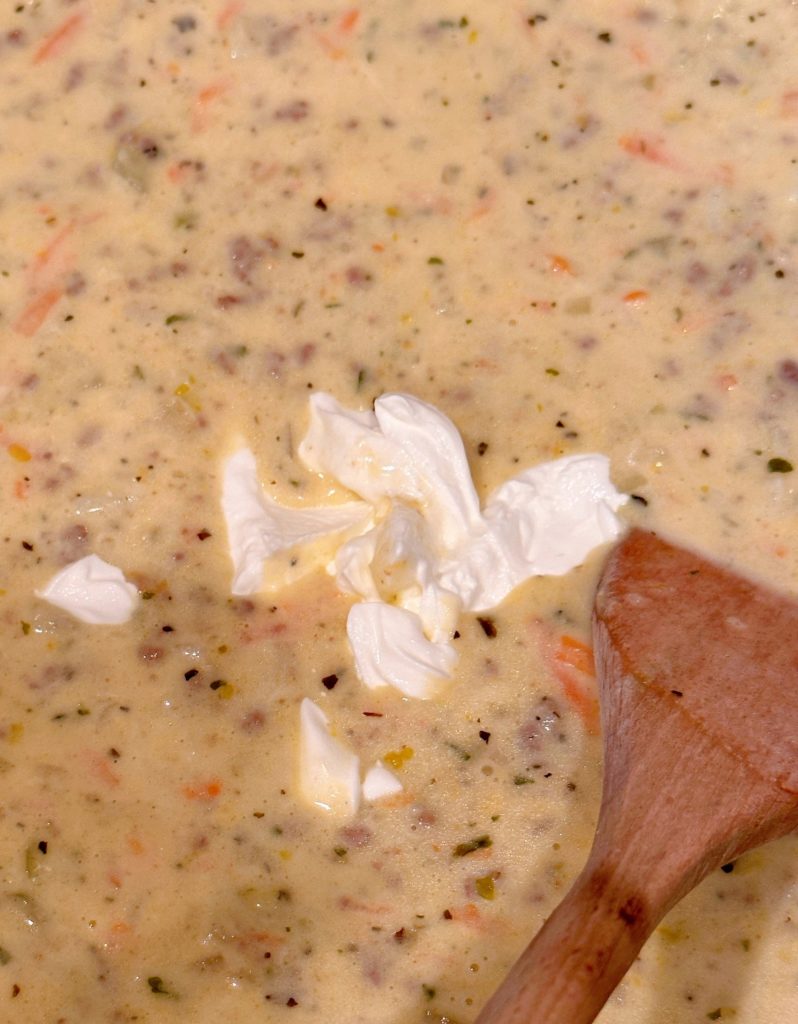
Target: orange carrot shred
{"type": "Point", "coordinates": [636, 297]}
{"type": "Point", "coordinates": [203, 790]}
{"type": "Point", "coordinates": [45, 255]}
{"type": "Point", "coordinates": [561, 265]}
{"type": "Point", "coordinates": [229, 12]}
{"type": "Point", "coordinates": [199, 118]}
{"type": "Point", "coordinates": [36, 312]}
{"type": "Point", "coordinates": [582, 699]}
{"type": "Point", "coordinates": [577, 654]}
{"type": "Point", "coordinates": [647, 148]}
{"type": "Point", "coordinates": [52, 45]}
{"type": "Point", "coordinates": [348, 20]}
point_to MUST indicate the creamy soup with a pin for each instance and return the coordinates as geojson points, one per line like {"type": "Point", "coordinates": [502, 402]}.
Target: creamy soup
{"type": "Point", "coordinates": [568, 225]}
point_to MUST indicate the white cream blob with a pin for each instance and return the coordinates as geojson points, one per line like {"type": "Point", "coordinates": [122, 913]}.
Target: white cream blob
{"type": "Point", "coordinates": [288, 542]}
{"type": "Point", "coordinates": [93, 591]}
{"type": "Point", "coordinates": [543, 522]}
{"type": "Point", "coordinates": [329, 772]}
{"type": "Point", "coordinates": [418, 549]}
{"type": "Point", "coordinates": [380, 782]}
{"type": "Point", "coordinates": [390, 649]}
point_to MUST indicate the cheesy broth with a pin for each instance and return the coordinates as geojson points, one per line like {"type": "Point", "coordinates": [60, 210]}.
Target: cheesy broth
{"type": "Point", "coordinates": [569, 225]}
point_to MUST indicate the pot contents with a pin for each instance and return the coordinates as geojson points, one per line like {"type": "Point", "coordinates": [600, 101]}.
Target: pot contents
{"type": "Point", "coordinates": [338, 343]}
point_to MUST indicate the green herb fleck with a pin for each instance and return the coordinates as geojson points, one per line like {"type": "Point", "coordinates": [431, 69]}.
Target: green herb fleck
{"type": "Point", "coordinates": [340, 851]}
{"type": "Point", "coordinates": [463, 754]}
{"type": "Point", "coordinates": [478, 843]}
{"type": "Point", "coordinates": [5, 956]}
{"type": "Point", "coordinates": [429, 991]}
{"type": "Point", "coordinates": [175, 318]}
{"type": "Point", "coordinates": [779, 466]}
{"type": "Point", "coordinates": [147, 595]}
{"type": "Point", "coordinates": [715, 1015]}
{"type": "Point", "coordinates": [361, 376]}
{"type": "Point", "coordinates": [25, 627]}
{"type": "Point", "coordinates": [552, 372]}
{"type": "Point", "coordinates": [485, 887]}
{"type": "Point", "coordinates": [187, 220]}
{"type": "Point", "coordinates": [523, 780]}
{"type": "Point", "coordinates": [435, 261]}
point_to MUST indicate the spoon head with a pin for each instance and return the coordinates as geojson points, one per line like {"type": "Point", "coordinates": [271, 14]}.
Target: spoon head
{"type": "Point", "coordinates": [721, 646]}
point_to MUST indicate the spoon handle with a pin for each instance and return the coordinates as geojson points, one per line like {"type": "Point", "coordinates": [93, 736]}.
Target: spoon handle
{"type": "Point", "coordinates": [570, 968]}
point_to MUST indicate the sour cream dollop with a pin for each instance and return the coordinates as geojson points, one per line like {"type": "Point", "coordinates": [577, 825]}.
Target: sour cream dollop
{"type": "Point", "coordinates": [93, 591]}
{"type": "Point", "coordinates": [417, 548]}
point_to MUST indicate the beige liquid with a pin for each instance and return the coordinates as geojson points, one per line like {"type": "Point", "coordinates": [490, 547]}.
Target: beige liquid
{"type": "Point", "coordinates": [570, 226]}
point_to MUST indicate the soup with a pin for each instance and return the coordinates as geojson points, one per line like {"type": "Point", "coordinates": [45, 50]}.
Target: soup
{"type": "Point", "coordinates": [568, 228]}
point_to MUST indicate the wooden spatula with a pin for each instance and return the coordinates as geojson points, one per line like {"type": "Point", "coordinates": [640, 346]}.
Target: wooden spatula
{"type": "Point", "coordinates": [698, 678]}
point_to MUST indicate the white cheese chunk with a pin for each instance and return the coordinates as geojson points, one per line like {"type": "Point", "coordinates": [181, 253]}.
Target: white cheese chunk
{"type": "Point", "coordinates": [543, 522]}
{"type": "Point", "coordinates": [380, 782]}
{"type": "Point", "coordinates": [405, 450]}
{"type": "Point", "coordinates": [93, 591]}
{"type": "Point", "coordinates": [271, 545]}
{"type": "Point", "coordinates": [390, 649]}
{"type": "Point", "coordinates": [329, 772]}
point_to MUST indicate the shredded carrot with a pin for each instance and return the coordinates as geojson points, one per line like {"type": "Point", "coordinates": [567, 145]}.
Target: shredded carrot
{"type": "Point", "coordinates": [135, 845]}
{"type": "Point", "coordinates": [789, 103]}
{"type": "Point", "coordinates": [53, 44]}
{"type": "Point", "coordinates": [120, 933]}
{"type": "Point", "coordinates": [229, 12]}
{"type": "Point", "coordinates": [101, 769]}
{"type": "Point", "coordinates": [36, 312]}
{"type": "Point", "coordinates": [378, 247]}
{"type": "Point", "coordinates": [46, 262]}
{"type": "Point", "coordinates": [725, 174]}
{"type": "Point", "coordinates": [560, 265]}
{"type": "Point", "coordinates": [203, 790]}
{"type": "Point", "coordinates": [727, 381]}
{"type": "Point", "coordinates": [647, 148]}
{"type": "Point", "coordinates": [114, 879]}
{"type": "Point", "coordinates": [640, 54]}
{"type": "Point", "coordinates": [177, 172]}
{"type": "Point", "coordinates": [576, 653]}
{"type": "Point", "coordinates": [483, 207]}
{"type": "Point", "coordinates": [636, 297]}
{"type": "Point", "coordinates": [469, 913]}
{"type": "Point", "coordinates": [21, 488]}
{"type": "Point", "coordinates": [581, 696]}
{"type": "Point", "coordinates": [348, 20]}
{"type": "Point", "coordinates": [333, 41]}
{"type": "Point", "coordinates": [205, 97]}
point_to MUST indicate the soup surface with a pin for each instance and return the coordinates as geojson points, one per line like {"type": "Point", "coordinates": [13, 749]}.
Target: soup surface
{"type": "Point", "coordinates": [570, 226]}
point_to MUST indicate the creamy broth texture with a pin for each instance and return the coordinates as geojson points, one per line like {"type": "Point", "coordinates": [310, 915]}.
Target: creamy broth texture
{"type": "Point", "coordinates": [571, 226]}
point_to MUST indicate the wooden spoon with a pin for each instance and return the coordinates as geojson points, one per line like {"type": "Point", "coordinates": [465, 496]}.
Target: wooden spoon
{"type": "Point", "coordinates": [698, 679]}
